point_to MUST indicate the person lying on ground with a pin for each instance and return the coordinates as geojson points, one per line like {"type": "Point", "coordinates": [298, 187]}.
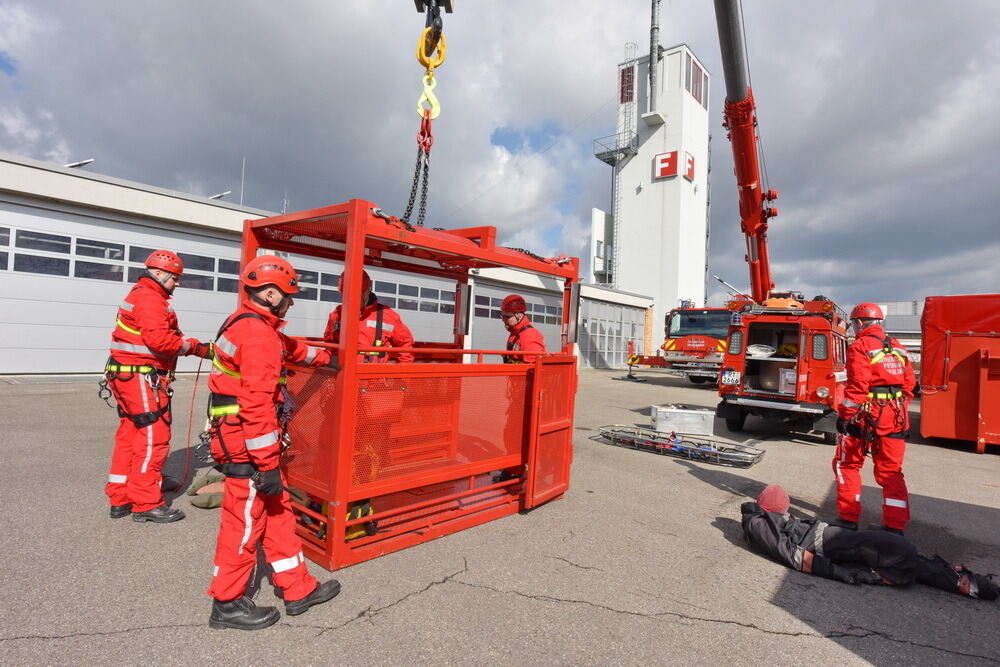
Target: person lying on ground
{"type": "Point", "coordinates": [851, 556]}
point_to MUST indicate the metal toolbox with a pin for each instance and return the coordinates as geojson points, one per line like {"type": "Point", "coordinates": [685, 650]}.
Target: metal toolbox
{"type": "Point", "coordinates": [678, 418]}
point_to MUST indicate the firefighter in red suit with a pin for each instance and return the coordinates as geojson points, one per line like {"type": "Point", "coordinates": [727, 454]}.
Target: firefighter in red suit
{"type": "Point", "coordinates": [873, 418]}
{"type": "Point", "coordinates": [249, 410]}
{"type": "Point", "coordinates": [381, 404]}
{"type": "Point", "coordinates": [522, 336]}
{"type": "Point", "coordinates": [145, 345]}
{"type": "Point", "coordinates": [380, 326]}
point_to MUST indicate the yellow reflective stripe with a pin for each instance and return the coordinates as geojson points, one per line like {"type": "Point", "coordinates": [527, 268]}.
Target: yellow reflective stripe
{"type": "Point", "coordinates": [878, 357]}
{"type": "Point", "coordinates": [221, 410]}
{"type": "Point", "coordinates": [218, 364]}
{"type": "Point", "coordinates": [115, 368]}
{"type": "Point", "coordinates": [127, 328]}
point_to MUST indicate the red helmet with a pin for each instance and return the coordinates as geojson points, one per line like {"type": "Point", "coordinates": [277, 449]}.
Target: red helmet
{"type": "Point", "coordinates": [773, 498]}
{"type": "Point", "coordinates": [165, 261]}
{"type": "Point", "coordinates": [867, 311]}
{"type": "Point", "coordinates": [271, 270]}
{"type": "Point", "coordinates": [366, 281]}
{"type": "Point", "coordinates": [513, 303]}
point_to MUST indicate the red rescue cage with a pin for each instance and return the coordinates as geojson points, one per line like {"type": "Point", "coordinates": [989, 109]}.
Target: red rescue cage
{"type": "Point", "coordinates": [386, 456]}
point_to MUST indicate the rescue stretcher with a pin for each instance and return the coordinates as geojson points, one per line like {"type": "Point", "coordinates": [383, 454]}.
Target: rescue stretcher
{"type": "Point", "coordinates": [693, 448]}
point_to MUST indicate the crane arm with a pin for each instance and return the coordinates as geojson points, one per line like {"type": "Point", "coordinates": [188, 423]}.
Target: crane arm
{"type": "Point", "coordinates": [741, 121]}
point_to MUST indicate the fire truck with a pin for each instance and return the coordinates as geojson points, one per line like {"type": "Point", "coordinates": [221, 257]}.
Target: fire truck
{"type": "Point", "coordinates": [693, 340]}
{"type": "Point", "coordinates": [785, 355]}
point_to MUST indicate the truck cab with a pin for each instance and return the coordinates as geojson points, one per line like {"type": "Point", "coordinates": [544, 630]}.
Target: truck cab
{"type": "Point", "coordinates": [785, 361]}
{"type": "Point", "coordinates": [694, 339]}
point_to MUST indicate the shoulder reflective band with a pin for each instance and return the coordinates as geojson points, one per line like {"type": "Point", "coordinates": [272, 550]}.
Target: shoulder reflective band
{"type": "Point", "coordinates": [128, 328]}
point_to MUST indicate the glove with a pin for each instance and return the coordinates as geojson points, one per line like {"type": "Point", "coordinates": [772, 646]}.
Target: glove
{"type": "Point", "coordinates": [842, 425]}
{"type": "Point", "coordinates": [269, 482]}
{"type": "Point", "coordinates": [199, 349]}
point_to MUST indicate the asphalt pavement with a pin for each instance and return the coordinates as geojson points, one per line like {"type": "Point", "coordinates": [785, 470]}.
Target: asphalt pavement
{"type": "Point", "coordinates": [641, 562]}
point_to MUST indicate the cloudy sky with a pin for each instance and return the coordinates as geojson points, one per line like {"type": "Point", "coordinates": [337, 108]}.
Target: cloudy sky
{"type": "Point", "coordinates": [879, 120]}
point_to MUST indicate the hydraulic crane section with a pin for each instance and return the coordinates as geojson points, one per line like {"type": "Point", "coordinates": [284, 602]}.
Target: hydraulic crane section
{"type": "Point", "coordinates": [741, 121]}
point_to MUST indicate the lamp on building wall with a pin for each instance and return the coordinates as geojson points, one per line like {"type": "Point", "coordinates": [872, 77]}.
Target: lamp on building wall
{"type": "Point", "coordinates": [81, 163]}
{"type": "Point", "coordinates": [221, 194]}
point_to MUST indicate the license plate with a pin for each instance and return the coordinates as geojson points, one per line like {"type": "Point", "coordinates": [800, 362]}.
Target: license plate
{"type": "Point", "coordinates": [730, 378]}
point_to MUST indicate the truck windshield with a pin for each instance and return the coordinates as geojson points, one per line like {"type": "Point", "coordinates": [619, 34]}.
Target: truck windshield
{"type": "Point", "coordinates": [700, 321]}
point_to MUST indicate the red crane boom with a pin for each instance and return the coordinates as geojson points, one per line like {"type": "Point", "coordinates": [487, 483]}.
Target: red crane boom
{"type": "Point", "coordinates": [741, 121]}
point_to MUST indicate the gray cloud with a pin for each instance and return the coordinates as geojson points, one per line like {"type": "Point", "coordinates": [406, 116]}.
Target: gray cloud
{"type": "Point", "coordinates": [877, 118]}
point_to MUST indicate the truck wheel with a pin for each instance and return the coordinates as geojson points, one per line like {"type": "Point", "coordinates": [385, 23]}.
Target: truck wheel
{"type": "Point", "coordinates": [735, 424]}
{"type": "Point", "coordinates": [696, 379]}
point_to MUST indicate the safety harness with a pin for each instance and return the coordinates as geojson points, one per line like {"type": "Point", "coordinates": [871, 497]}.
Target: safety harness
{"type": "Point", "coordinates": [512, 344]}
{"type": "Point", "coordinates": [379, 326]}
{"type": "Point", "coordinates": [891, 396]}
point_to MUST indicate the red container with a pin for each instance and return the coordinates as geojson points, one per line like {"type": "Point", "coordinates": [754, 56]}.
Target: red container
{"type": "Point", "coordinates": [960, 368]}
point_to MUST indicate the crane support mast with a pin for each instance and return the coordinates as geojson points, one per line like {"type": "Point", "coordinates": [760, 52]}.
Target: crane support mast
{"type": "Point", "coordinates": [741, 121]}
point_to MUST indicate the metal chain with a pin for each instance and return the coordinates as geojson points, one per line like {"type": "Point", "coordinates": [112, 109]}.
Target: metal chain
{"type": "Point", "coordinates": [423, 189]}
{"type": "Point", "coordinates": [413, 189]}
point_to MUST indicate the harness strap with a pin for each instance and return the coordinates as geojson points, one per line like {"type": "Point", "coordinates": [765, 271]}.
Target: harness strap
{"type": "Point", "coordinates": [512, 344]}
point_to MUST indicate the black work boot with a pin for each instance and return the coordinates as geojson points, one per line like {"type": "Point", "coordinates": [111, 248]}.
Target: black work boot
{"type": "Point", "coordinates": [161, 514]}
{"type": "Point", "coordinates": [120, 511]}
{"type": "Point", "coordinates": [322, 593]}
{"type": "Point", "coordinates": [241, 614]}
{"type": "Point", "coordinates": [897, 531]}
{"type": "Point", "coordinates": [840, 522]}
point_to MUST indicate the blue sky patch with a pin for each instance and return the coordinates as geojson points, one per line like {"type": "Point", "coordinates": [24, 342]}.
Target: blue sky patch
{"type": "Point", "coordinates": [533, 138]}
{"type": "Point", "coordinates": [7, 64]}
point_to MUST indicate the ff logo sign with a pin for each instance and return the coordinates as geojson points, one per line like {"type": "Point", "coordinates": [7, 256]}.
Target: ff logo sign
{"type": "Point", "coordinates": [666, 164]}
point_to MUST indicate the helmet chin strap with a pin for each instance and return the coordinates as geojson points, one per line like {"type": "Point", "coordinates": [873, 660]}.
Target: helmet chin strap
{"type": "Point", "coordinates": [274, 309]}
{"type": "Point", "coordinates": [169, 290]}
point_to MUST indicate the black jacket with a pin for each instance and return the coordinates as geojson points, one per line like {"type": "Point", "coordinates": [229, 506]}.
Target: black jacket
{"type": "Point", "coordinates": [784, 538]}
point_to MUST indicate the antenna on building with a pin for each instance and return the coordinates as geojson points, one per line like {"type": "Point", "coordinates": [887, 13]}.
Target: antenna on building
{"type": "Point", "coordinates": [654, 53]}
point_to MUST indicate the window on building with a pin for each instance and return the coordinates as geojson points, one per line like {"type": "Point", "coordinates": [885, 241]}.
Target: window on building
{"type": "Point", "coordinates": [482, 312]}
{"type": "Point", "coordinates": [495, 302]}
{"type": "Point", "coordinates": [197, 281]}
{"type": "Point", "coordinates": [409, 290]}
{"type": "Point", "coordinates": [138, 254]}
{"type": "Point", "coordinates": [389, 301]}
{"type": "Point", "coordinates": [229, 266]}
{"type": "Point", "coordinates": [308, 276]}
{"type": "Point", "coordinates": [482, 300]}
{"type": "Point", "coordinates": [384, 287]}
{"type": "Point", "coordinates": [447, 295]}
{"type": "Point", "coordinates": [704, 90]}
{"type": "Point", "coordinates": [231, 285]}
{"type": "Point", "coordinates": [407, 304]}
{"type": "Point", "coordinates": [101, 249]}
{"type": "Point", "coordinates": [98, 271]}
{"type": "Point", "coordinates": [448, 308]}
{"type": "Point", "coordinates": [331, 295]}
{"type": "Point", "coordinates": [329, 279]}
{"type": "Point", "coordinates": [428, 306]}
{"type": "Point", "coordinates": [4, 236]}
{"type": "Point", "coordinates": [134, 272]}
{"type": "Point", "coordinates": [429, 293]}
{"type": "Point", "coordinates": [307, 294]}
{"type": "Point", "coordinates": [626, 84]}
{"type": "Point", "coordinates": [697, 76]}
{"type": "Point", "coordinates": [687, 72]}
{"type": "Point", "coordinates": [40, 241]}
{"type": "Point", "coordinates": [51, 266]}
{"type": "Point", "coordinates": [197, 262]}
{"type": "Point", "coordinates": [3, 261]}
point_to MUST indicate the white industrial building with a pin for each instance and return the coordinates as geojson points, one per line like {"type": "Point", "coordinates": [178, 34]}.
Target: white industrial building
{"type": "Point", "coordinates": [655, 240]}
{"type": "Point", "coordinates": [72, 241]}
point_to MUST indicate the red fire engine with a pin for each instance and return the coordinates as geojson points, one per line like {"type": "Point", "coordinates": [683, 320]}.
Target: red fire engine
{"type": "Point", "coordinates": [692, 344]}
{"type": "Point", "coordinates": [785, 355]}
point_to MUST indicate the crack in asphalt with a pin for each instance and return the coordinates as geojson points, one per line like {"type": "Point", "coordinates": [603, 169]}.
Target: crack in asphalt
{"type": "Point", "coordinates": [582, 567]}
{"type": "Point", "coordinates": [369, 613]}
{"type": "Point", "coordinates": [108, 633]}
{"type": "Point", "coordinates": [852, 632]}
